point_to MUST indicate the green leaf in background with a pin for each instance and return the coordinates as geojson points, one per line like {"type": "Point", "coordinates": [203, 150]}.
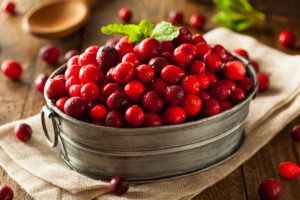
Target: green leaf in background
{"type": "Point", "coordinates": [146, 27]}
{"type": "Point", "coordinates": [165, 31]}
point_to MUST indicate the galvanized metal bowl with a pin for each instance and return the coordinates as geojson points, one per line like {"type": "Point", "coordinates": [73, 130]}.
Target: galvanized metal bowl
{"type": "Point", "coordinates": [147, 154]}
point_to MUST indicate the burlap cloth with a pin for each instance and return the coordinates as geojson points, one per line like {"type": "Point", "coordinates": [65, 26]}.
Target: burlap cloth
{"type": "Point", "coordinates": [39, 170]}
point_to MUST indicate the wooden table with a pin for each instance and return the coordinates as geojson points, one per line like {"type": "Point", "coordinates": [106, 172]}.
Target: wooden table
{"type": "Point", "coordinates": [20, 99]}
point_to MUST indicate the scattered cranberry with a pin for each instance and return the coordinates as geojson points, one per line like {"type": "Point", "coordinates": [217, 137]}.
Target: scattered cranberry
{"type": "Point", "coordinates": [123, 73]}
{"type": "Point", "coordinates": [237, 96]}
{"type": "Point", "coordinates": [174, 95]}
{"type": "Point", "coordinates": [6, 193]}
{"type": "Point", "coordinates": [23, 132]}
{"type": "Point", "coordinates": [8, 6]}
{"type": "Point", "coordinates": [117, 101]}
{"type": "Point", "coordinates": [185, 36]}
{"type": "Point", "coordinates": [289, 170]}
{"type": "Point", "coordinates": [107, 57]}
{"type": "Point", "coordinates": [287, 39]}
{"type": "Point", "coordinates": [197, 67]}
{"type": "Point", "coordinates": [213, 62]}
{"type": "Point", "coordinates": [75, 107]}
{"type": "Point", "coordinates": [114, 119]}
{"type": "Point", "coordinates": [172, 74]}
{"type": "Point", "coordinates": [191, 85]}
{"type": "Point", "coordinates": [245, 84]}
{"type": "Point", "coordinates": [211, 107]}
{"type": "Point", "coordinates": [55, 88]}
{"type": "Point", "coordinates": [270, 189]}
{"type": "Point", "coordinates": [242, 52]}
{"type": "Point", "coordinates": [192, 105]}
{"type": "Point", "coordinates": [40, 82]}
{"type": "Point", "coordinates": [225, 105]}
{"type": "Point", "coordinates": [263, 82]}
{"type": "Point", "coordinates": [118, 185]}
{"type": "Point", "coordinates": [135, 90]}
{"type": "Point", "coordinates": [184, 54]}
{"type": "Point", "coordinates": [89, 91]}
{"type": "Point", "coordinates": [219, 91]}
{"type": "Point", "coordinates": [12, 69]}
{"type": "Point", "coordinates": [125, 14]}
{"type": "Point", "coordinates": [235, 70]}
{"type": "Point", "coordinates": [158, 63]}
{"type": "Point", "coordinates": [176, 17]}
{"type": "Point", "coordinates": [90, 74]}
{"type": "Point", "coordinates": [134, 116]}
{"type": "Point", "coordinates": [152, 119]}
{"type": "Point", "coordinates": [50, 54]}
{"type": "Point", "coordinates": [174, 115]}
{"type": "Point", "coordinates": [131, 58]}
{"type": "Point", "coordinates": [197, 21]}
{"type": "Point", "coordinates": [144, 73]}
{"type": "Point", "coordinates": [98, 112]}
{"type": "Point", "coordinates": [123, 48]}
{"type": "Point", "coordinates": [60, 103]}
{"type": "Point", "coordinates": [158, 85]}
{"type": "Point", "coordinates": [70, 54]}
{"type": "Point", "coordinates": [149, 48]}
{"type": "Point", "coordinates": [296, 132]}
{"type": "Point", "coordinates": [153, 102]}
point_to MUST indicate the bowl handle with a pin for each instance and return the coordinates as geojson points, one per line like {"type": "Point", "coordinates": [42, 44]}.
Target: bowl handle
{"type": "Point", "coordinates": [50, 115]}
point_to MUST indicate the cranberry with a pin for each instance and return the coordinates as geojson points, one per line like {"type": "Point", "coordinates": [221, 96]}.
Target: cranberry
{"type": "Point", "coordinates": [60, 77]}
{"type": "Point", "coordinates": [245, 84]}
{"type": "Point", "coordinates": [197, 21]}
{"type": "Point", "coordinates": [185, 36]}
{"type": "Point", "coordinates": [202, 50]}
{"type": "Point", "coordinates": [135, 90]}
{"type": "Point", "coordinates": [125, 38]}
{"type": "Point", "coordinates": [198, 39]}
{"type": "Point", "coordinates": [87, 58]}
{"type": "Point", "coordinates": [6, 193]}
{"type": "Point", "coordinates": [23, 132]}
{"type": "Point", "coordinates": [191, 85]}
{"type": "Point", "coordinates": [136, 50]}
{"type": "Point", "coordinates": [263, 82]}
{"type": "Point", "coordinates": [72, 71]}
{"type": "Point", "coordinates": [289, 170]}
{"type": "Point", "coordinates": [242, 52]}
{"type": "Point", "coordinates": [270, 189]}
{"type": "Point", "coordinates": [213, 62]}
{"type": "Point", "coordinates": [235, 70]}
{"type": "Point", "coordinates": [114, 119]}
{"type": "Point", "coordinates": [70, 54]}
{"type": "Point", "coordinates": [125, 14]}
{"type": "Point", "coordinates": [123, 48]}
{"type": "Point", "coordinates": [176, 17]}
{"type": "Point", "coordinates": [203, 81]}
{"type": "Point", "coordinates": [110, 74]}
{"type": "Point", "coordinates": [75, 90]}
{"type": "Point", "coordinates": [134, 116]}
{"type": "Point", "coordinates": [184, 54]}
{"type": "Point", "coordinates": [123, 73]}
{"type": "Point", "coordinates": [172, 74]}
{"type": "Point", "coordinates": [107, 57]}
{"type": "Point", "coordinates": [144, 73]}
{"type": "Point", "coordinates": [287, 39]}
{"type": "Point", "coordinates": [9, 7]}
{"type": "Point", "coordinates": [89, 91]}
{"type": "Point", "coordinates": [90, 74]}
{"type": "Point", "coordinates": [152, 102]}
{"type": "Point", "coordinates": [222, 53]}
{"type": "Point", "coordinates": [219, 91]}
{"type": "Point", "coordinates": [192, 105]}
{"type": "Point", "coordinates": [55, 88]}
{"type": "Point", "coordinates": [168, 56]}
{"type": "Point", "coordinates": [118, 185]}
{"type": "Point", "coordinates": [166, 46]}
{"type": "Point", "coordinates": [73, 61]}
{"type": "Point", "coordinates": [158, 85]}
{"type": "Point", "coordinates": [197, 67]}
{"type": "Point", "coordinates": [108, 89]}
{"type": "Point", "coordinates": [60, 103]}
{"type": "Point", "coordinates": [149, 48]}
{"type": "Point", "coordinates": [40, 82]}
{"type": "Point", "coordinates": [98, 112]}
{"type": "Point", "coordinates": [255, 65]}
{"type": "Point", "coordinates": [152, 119]}
{"type": "Point", "coordinates": [75, 107]}
{"type": "Point", "coordinates": [131, 58]}
{"type": "Point", "coordinates": [158, 63]}
{"type": "Point", "coordinates": [237, 95]}
{"type": "Point", "coordinates": [229, 84]}
{"type": "Point", "coordinates": [174, 115]}
{"type": "Point", "coordinates": [204, 95]}
{"type": "Point", "coordinates": [117, 101]}
{"type": "Point", "coordinates": [12, 69]}
{"type": "Point", "coordinates": [174, 95]}
{"type": "Point", "coordinates": [50, 54]}
{"type": "Point", "coordinates": [296, 132]}
{"type": "Point", "coordinates": [212, 77]}
{"type": "Point", "coordinates": [225, 105]}
{"type": "Point", "coordinates": [211, 107]}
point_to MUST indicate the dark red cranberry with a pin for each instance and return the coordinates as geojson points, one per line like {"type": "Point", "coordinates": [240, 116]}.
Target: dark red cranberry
{"type": "Point", "coordinates": [152, 119]}
{"type": "Point", "coordinates": [108, 89]}
{"type": "Point", "coordinates": [296, 132]}
{"type": "Point", "coordinates": [219, 91]}
{"type": "Point", "coordinates": [198, 39]}
{"type": "Point", "coordinates": [263, 82]}
{"type": "Point", "coordinates": [134, 116]}
{"type": "Point", "coordinates": [184, 54]}
{"type": "Point", "coordinates": [98, 112]}
{"type": "Point", "coordinates": [9, 7]}
{"type": "Point", "coordinates": [222, 53]}
{"type": "Point", "coordinates": [203, 81]}
{"type": "Point", "coordinates": [197, 67]}
{"type": "Point", "coordinates": [197, 21]}
{"type": "Point", "coordinates": [75, 107]}
{"type": "Point", "coordinates": [92, 49]}
{"type": "Point", "coordinates": [166, 46]}
{"type": "Point", "coordinates": [72, 71]}
{"type": "Point", "coordinates": [235, 70]}
{"type": "Point", "coordinates": [174, 95]}
{"type": "Point", "coordinates": [12, 69]}
{"type": "Point", "coordinates": [270, 189]}
{"type": "Point", "coordinates": [245, 84]}
{"type": "Point", "coordinates": [191, 85]}
{"type": "Point", "coordinates": [90, 74]}
{"type": "Point", "coordinates": [237, 95]}
{"type": "Point", "coordinates": [118, 185]}
{"type": "Point", "coordinates": [213, 62]}
{"type": "Point", "coordinates": [158, 63]}
{"type": "Point", "coordinates": [55, 88]}
{"type": "Point", "coordinates": [172, 74]}
{"type": "Point", "coordinates": [212, 77]}
{"type": "Point", "coordinates": [107, 57]}
{"type": "Point", "coordinates": [158, 85]}
{"type": "Point", "coordinates": [50, 54]}
{"type": "Point", "coordinates": [136, 50]}
{"type": "Point", "coordinates": [185, 36]}
{"type": "Point", "coordinates": [287, 39]}
{"type": "Point", "coordinates": [60, 103]}
{"type": "Point", "coordinates": [255, 65]}
{"type": "Point", "coordinates": [89, 91]}
{"type": "Point", "coordinates": [6, 193]}
{"type": "Point", "coordinates": [289, 170]}
{"type": "Point", "coordinates": [192, 105]}
{"type": "Point", "coordinates": [131, 58]}
{"type": "Point", "coordinates": [135, 90]}
{"type": "Point", "coordinates": [211, 107]}
{"type": "Point", "coordinates": [114, 119]}
{"type": "Point", "coordinates": [125, 14]}
{"type": "Point", "coordinates": [75, 90]}
{"type": "Point", "coordinates": [202, 50]}
{"type": "Point", "coordinates": [110, 74]}
{"type": "Point", "coordinates": [73, 61]}
{"type": "Point", "coordinates": [123, 73]}
{"type": "Point", "coordinates": [204, 95]}
{"type": "Point", "coordinates": [23, 132]}
{"type": "Point", "coordinates": [144, 73]}
{"type": "Point", "coordinates": [168, 56]}
{"type": "Point", "coordinates": [70, 54]}
{"type": "Point", "coordinates": [152, 102]}
{"type": "Point", "coordinates": [123, 48]}
{"type": "Point", "coordinates": [242, 52]}
{"type": "Point", "coordinates": [228, 83]}
{"type": "Point", "coordinates": [117, 101]}
{"type": "Point", "coordinates": [174, 115]}
{"type": "Point", "coordinates": [87, 58]}
{"type": "Point", "coordinates": [149, 48]}
{"type": "Point", "coordinates": [40, 82]}
{"type": "Point", "coordinates": [176, 17]}
{"type": "Point", "coordinates": [225, 105]}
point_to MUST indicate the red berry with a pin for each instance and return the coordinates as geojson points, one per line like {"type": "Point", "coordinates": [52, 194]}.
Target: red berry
{"type": "Point", "coordinates": [60, 103]}
{"type": "Point", "coordinates": [123, 48]}
{"type": "Point", "coordinates": [198, 39]}
{"type": "Point", "coordinates": [149, 48]}
{"type": "Point", "coordinates": [118, 185]}
{"type": "Point", "coordinates": [131, 58]}
{"type": "Point", "coordinates": [90, 74]}
{"type": "Point", "coordinates": [55, 88]}
{"type": "Point", "coordinates": [185, 36]}
{"type": "Point", "coordinates": [168, 56]}
{"type": "Point", "coordinates": [197, 21]}
{"type": "Point", "coordinates": [203, 81]}
{"type": "Point", "coordinates": [192, 105]}
{"type": "Point", "coordinates": [152, 119]}
{"type": "Point", "coordinates": [72, 81]}
{"type": "Point", "coordinates": [114, 119]}
{"type": "Point", "coordinates": [110, 74]}
{"type": "Point", "coordinates": [75, 90]}
{"type": "Point", "coordinates": [134, 116]}
{"type": "Point", "coordinates": [98, 112]}
{"type": "Point", "coordinates": [123, 73]}
{"type": "Point", "coordinates": [135, 90]}
{"type": "Point", "coordinates": [9, 7]}
{"type": "Point", "coordinates": [87, 58]}
{"type": "Point", "coordinates": [225, 105]}
{"type": "Point", "coordinates": [117, 101]}
{"type": "Point", "coordinates": [152, 102]}
{"type": "Point", "coordinates": [72, 71]}
{"type": "Point", "coordinates": [197, 67]}
{"type": "Point", "coordinates": [107, 57]}
{"type": "Point", "coordinates": [202, 50]}
{"type": "Point", "coordinates": [70, 54]}
{"type": "Point", "coordinates": [289, 170]}
{"type": "Point", "coordinates": [176, 17]}
{"type": "Point", "coordinates": [73, 61]}
{"type": "Point", "coordinates": [144, 73]}
{"type": "Point", "coordinates": [89, 91]}
{"type": "Point", "coordinates": [108, 89]}
{"type": "Point", "coordinates": [255, 65]}
{"type": "Point", "coordinates": [166, 46]}
{"type": "Point", "coordinates": [40, 82]}
{"type": "Point", "coordinates": [219, 91]}
{"type": "Point", "coordinates": [212, 77]}
{"type": "Point", "coordinates": [158, 63]}
{"type": "Point", "coordinates": [75, 107]}
{"type": "Point", "coordinates": [172, 74]}
{"type": "Point", "coordinates": [263, 82]}
{"type": "Point", "coordinates": [6, 193]}
{"type": "Point", "coordinates": [174, 95]}
{"type": "Point", "coordinates": [222, 53]}
{"type": "Point", "coordinates": [237, 96]}
{"type": "Point", "coordinates": [235, 70]}
{"type": "Point", "coordinates": [213, 62]}
{"type": "Point", "coordinates": [50, 54]}
{"type": "Point", "coordinates": [229, 84]}
{"type": "Point", "coordinates": [92, 49]}
{"type": "Point", "coordinates": [269, 189]}
{"type": "Point", "coordinates": [204, 95]}
{"type": "Point", "coordinates": [12, 69]}
{"type": "Point", "coordinates": [184, 54]}
{"type": "Point", "coordinates": [125, 14]}
{"type": "Point", "coordinates": [158, 85]}
{"type": "Point", "coordinates": [287, 39]}
{"type": "Point", "coordinates": [296, 132]}
{"type": "Point", "coordinates": [242, 52]}
{"type": "Point", "coordinates": [60, 77]}
{"type": "Point", "coordinates": [191, 85]}
{"type": "Point", "coordinates": [124, 39]}
{"type": "Point", "coordinates": [245, 84]}
{"type": "Point", "coordinates": [174, 115]}
{"type": "Point", "coordinates": [23, 132]}
{"type": "Point", "coordinates": [211, 107]}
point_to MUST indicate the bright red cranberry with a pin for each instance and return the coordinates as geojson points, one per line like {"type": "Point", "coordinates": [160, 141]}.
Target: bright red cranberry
{"type": "Point", "coordinates": [172, 74]}
{"type": "Point", "coordinates": [123, 48]}
{"type": "Point", "coordinates": [70, 54]}
{"type": "Point", "coordinates": [228, 83]}
{"type": "Point", "coordinates": [40, 82]}
{"type": "Point", "coordinates": [219, 91]}
{"type": "Point", "coordinates": [185, 36]}
{"type": "Point", "coordinates": [123, 73]}
{"type": "Point", "coordinates": [98, 112]}
{"type": "Point", "coordinates": [75, 107]}
{"type": "Point", "coordinates": [152, 119]}
{"type": "Point", "coordinates": [87, 58]}
{"type": "Point", "coordinates": [89, 91]}
{"type": "Point", "coordinates": [203, 81]}
{"type": "Point", "coordinates": [270, 189]}
{"type": "Point", "coordinates": [255, 65]}
{"type": "Point", "coordinates": [237, 95]}
{"type": "Point", "coordinates": [222, 53]}
{"type": "Point", "coordinates": [296, 132]}
{"type": "Point", "coordinates": [60, 77]}
{"type": "Point", "coordinates": [287, 39]}
{"type": "Point", "coordinates": [131, 58]}
{"type": "Point", "coordinates": [174, 95]}
{"type": "Point", "coordinates": [204, 95]}
{"type": "Point", "coordinates": [192, 105]}
{"type": "Point", "coordinates": [9, 7]}
{"type": "Point", "coordinates": [176, 17]}
{"type": "Point", "coordinates": [136, 50]}
{"type": "Point", "coordinates": [174, 115]}
{"type": "Point", "coordinates": [152, 102]}
{"type": "Point", "coordinates": [73, 61]}
{"type": "Point", "coordinates": [211, 107]}
{"type": "Point", "coordinates": [235, 70]}
{"type": "Point", "coordinates": [75, 90]}
{"type": "Point", "coordinates": [134, 116]}
{"type": "Point", "coordinates": [23, 132]}
{"type": "Point", "coordinates": [118, 185]}
{"type": "Point", "coordinates": [263, 82]}
{"type": "Point", "coordinates": [92, 49]}
{"type": "Point", "coordinates": [12, 69]}
{"type": "Point", "coordinates": [50, 54]}
{"type": "Point", "coordinates": [166, 46]}
{"type": "Point", "coordinates": [144, 73]}
{"type": "Point", "coordinates": [245, 84]}
{"type": "Point", "coordinates": [125, 14]}
{"type": "Point", "coordinates": [213, 62]}
{"type": "Point", "coordinates": [135, 90]}
{"type": "Point", "coordinates": [158, 63]}
{"type": "Point", "coordinates": [225, 105]}
{"type": "Point", "coordinates": [149, 48]}
{"type": "Point", "coordinates": [107, 57]}
{"type": "Point", "coordinates": [114, 119]}
{"type": "Point", "coordinates": [117, 101]}
{"type": "Point", "coordinates": [197, 21]}
{"type": "Point", "coordinates": [212, 77]}
{"type": "Point", "coordinates": [72, 71]}
{"type": "Point", "coordinates": [289, 170]}
{"type": "Point", "coordinates": [198, 39]}
{"type": "Point", "coordinates": [6, 193]}
{"type": "Point", "coordinates": [125, 38]}
{"type": "Point", "coordinates": [108, 89]}
{"type": "Point", "coordinates": [90, 74]}
{"type": "Point", "coordinates": [55, 88]}
{"type": "Point", "coordinates": [158, 85]}
{"type": "Point", "coordinates": [60, 103]}
{"type": "Point", "coordinates": [191, 85]}
{"type": "Point", "coordinates": [202, 50]}
{"type": "Point", "coordinates": [197, 67]}
{"type": "Point", "coordinates": [242, 52]}
{"type": "Point", "coordinates": [184, 54]}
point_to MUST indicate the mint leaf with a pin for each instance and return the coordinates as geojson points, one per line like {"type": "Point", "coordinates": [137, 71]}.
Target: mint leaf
{"type": "Point", "coordinates": [132, 30]}
{"type": "Point", "coordinates": [146, 27]}
{"type": "Point", "coordinates": [165, 31]}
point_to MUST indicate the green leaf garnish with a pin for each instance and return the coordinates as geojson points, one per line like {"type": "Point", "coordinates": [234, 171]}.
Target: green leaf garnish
{"type": "Point", "coordinates": [165, 31]}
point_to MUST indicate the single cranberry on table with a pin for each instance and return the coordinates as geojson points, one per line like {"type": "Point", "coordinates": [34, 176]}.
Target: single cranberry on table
{"type": "Point", "coordinates": [174, 95]}
{"type": "Point", "coordinates": [289, 170]}
{"type": "Point", "coordinates": [197, 21]}
{"type": "Point", "coordinates": [118, 185]}
{"type": "Point", "coordinates": [131, 58]}
{"type": "Point", "coordinates": [174, 115]}
{"type": "Point", "coordinates": [237, 96]}
{"type": "Point", "coordinates": [6, 193]}
{"type": "Point", "coordinates": [158, 85]}
{"type": "Point", "coordinates": [123, 48]}
{"type": "Point", "coordinates": [90, 74]}
{"type": "Point", "coordinates": [185, 36]}
{"type": "Point", "coordinates": [135, 90]}
{"type": "Point", "coordinates": [12, 69]}
{"type": "Point", "coordinates": [184, 54]}
{"type": "Point", "coordinates": [98, 112]}
{"type": "Point", "coordinates": [125, 14]}
{"type": "Point", "coordinates": [50, 54]}
{"type": "Point", "coordinates": [89, 91]}
{"type": "Point", "coordinates": [212, 62]}
{"type": "Point", "coordinates": [149, 48]}
{"type": "Point", "coordinates": [117, 101]}
{"type": "Point", "coordinates": [172, 74]}
{"type": "Point", "coordinates": [152, 119]}
{"type": "Point", "coordinates": [196, 67]}
{"type": "Point", "coordinates": [75, 107]}
{"type": "Point", "coordinates": [235, 70]}
{"type": "Point", "coordinates": [176, 17]}
{"type": "Point", "coordinates": [55, 88]}
{"type": "Point", "coordinates": [75, 90]}
{"type": "Point", "coordinates": [114, 119]}
{"type": "Point", "coordinates": [270, 189]}
{"type": "Point", "coordinates": [287, 39]}
{"type": "Point", "coordinates": [153, 102]}
{"type": "Point", "coordinates": [8, 6]}
{"type": "Point", "coordinates": [211, 107]}
{"type": "Point", "coordinates": [123, 73]}
{"type": "Point", "coordinates": [158, 63]}
{"type": "Point", "coordinates": [107, 57]}
{"type": "Point", "coordinates": [192, 105]}
{"type": "Point", "coordinates": [60, 103]}
{"type": "Point", "coordinates": [134, 116]}
{"type": "Point", "coordinates": [263, 82]}
{"type": "Point", "coordinates": [242, 52]}
{"type": "Point", "coordinates": [71, 53]}
{"type": "Point", "coordinates": [144, 73]}
{"type": "Point", "coordinates": [296, 132]}
{"type": "Point", "coordinates": [191, 85]}
{"type": "Point", "coordinates": [23, 132]}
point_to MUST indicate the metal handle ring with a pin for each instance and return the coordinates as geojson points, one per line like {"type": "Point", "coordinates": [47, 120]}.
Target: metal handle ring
{"type": "Point", "coordinates": [51, 115]}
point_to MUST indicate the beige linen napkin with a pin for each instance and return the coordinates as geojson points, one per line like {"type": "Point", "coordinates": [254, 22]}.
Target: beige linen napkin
{"type": "Point", "coordinates": [39, 170]}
